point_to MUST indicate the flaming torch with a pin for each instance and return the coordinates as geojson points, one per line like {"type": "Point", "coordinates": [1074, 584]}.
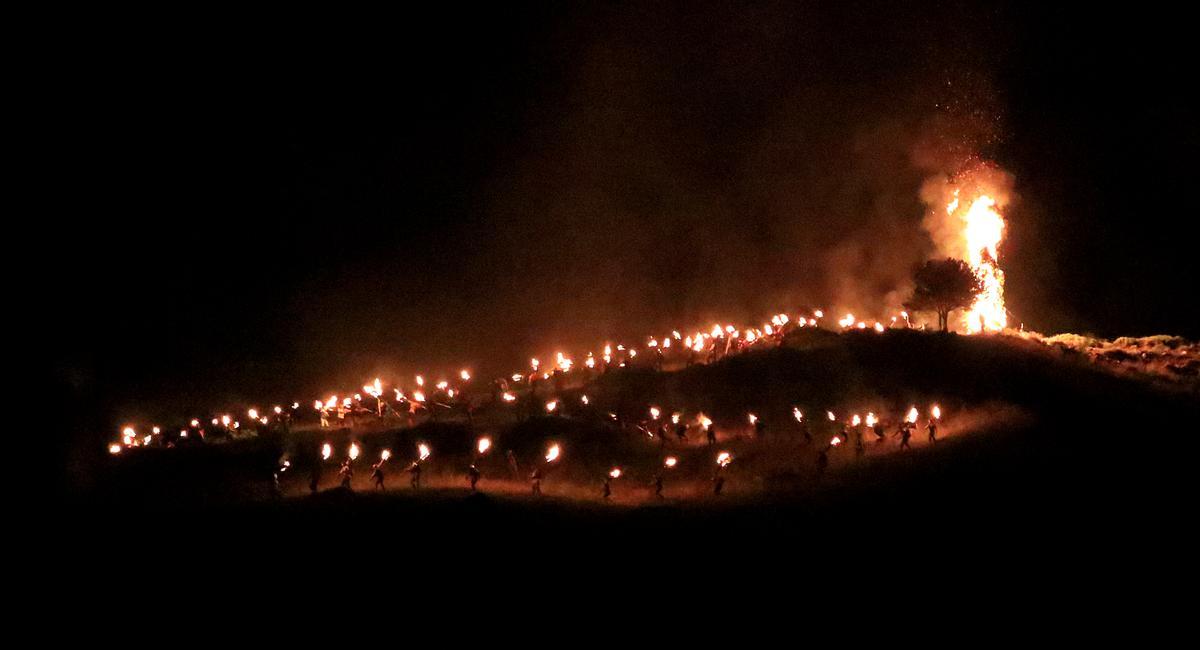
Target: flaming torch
{"type": "Point", "coordinates": [422, 451]}
{"type": "Point", "coordinates": [553, 453]}
{"type": "Point", "coordinates": [937, 412]}
{"type": "Point", "coordinates": [354, 449]}
{"type": "Point", "coordinates": [483, 445]}
{"type": "Point", "coordinates": [723, 459]}
{"type": "Point", "coordinates": [670, 461]}
{"type": "Point", "coordinates": [615, 472]}
{"type": "Point", "coordinates": [326, 451]}
{"type": "Point", "coordinates": [911, 418]}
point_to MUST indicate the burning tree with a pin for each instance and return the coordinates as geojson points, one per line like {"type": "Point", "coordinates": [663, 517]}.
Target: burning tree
{"type": "Point", "coordinates": [943, 286]}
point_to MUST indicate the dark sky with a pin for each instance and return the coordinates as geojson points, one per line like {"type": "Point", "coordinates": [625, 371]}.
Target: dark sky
{"type": "Point", "coordinates": [266, 207]}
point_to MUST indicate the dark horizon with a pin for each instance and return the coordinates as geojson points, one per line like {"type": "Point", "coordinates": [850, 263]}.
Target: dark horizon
{"type": "Point", "coordinates": [268, 212]}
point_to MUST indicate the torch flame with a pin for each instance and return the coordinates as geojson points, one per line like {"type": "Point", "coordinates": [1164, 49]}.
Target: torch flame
{"type": "Point", "coordinates": [724, 458]}
{"type": "Point", "coordinates": [483, 445]}
{"type": "Point", "coordinates": [615, 472]}
{"type": "Point", "coordinates": [912, 415]}
{"type": "Point", "coordinates": [326, 451]}
{"type": "Point", "coordinates": [552, 453]}
{"type": "Point", "coordinates": [385, 454]}
{"type": "Point", "coordinates": [670, 461]}
{"type": "Point", "coordinates": [354, 451]}
{"type": "Point", "coordinates": [422, 451]}
{"type": "Point", "coordinates": [937, 412]}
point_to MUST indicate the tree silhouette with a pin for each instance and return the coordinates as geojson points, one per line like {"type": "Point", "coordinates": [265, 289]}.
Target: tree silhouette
{"type": "Point", "coordinates": [943, 286]}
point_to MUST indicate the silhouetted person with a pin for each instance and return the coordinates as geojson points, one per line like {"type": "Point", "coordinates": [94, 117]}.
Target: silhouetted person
{"type": "Point", "coordinates": [414, 472]}
{"type": "Point", "coordinates": [512, 464]}
{"type": "Point", "coordinates": [932, 429]}
{"type": "Point", "coordinates": [606, 491]}
{"type": "Point", "coordinates": [822, 461]}
{"type": "Point", "coordinates": [711, 432]}
{"type": "Point", "coordinates": [314, 479]}
{"type": "Point", "coordinates": [658, 485]}
{"type": "Point", "coordinates": [718, 483]}
{"type": "Point", "coordinates": [681, 432]}
{"type": "Point", "coordinates": [377, 475]}
{"type": "Point", "coordinates": [905, 434]}
{"type": "Point", "coordinates": [806, 433]}
{"type": "Point", "coordinates": [859, 447]}
{"type": "Point", "coordinates": [473, 475]}
{"type": "Point", "coordinates": [347, 473]}
{"type": "Point", "coordinates": [879, 434]}
{"type": "Point", "coordinates": [535, 481]}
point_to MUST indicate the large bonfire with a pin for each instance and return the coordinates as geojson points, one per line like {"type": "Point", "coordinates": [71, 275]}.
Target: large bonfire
{"type": "Point", "coordinates": [965, 222]}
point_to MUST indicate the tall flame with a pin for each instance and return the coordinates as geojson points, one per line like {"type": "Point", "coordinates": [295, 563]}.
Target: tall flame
{"type": "Point", "coordinates": [965, 222]}
{"type": "Point", "coordinates": [983, 230]}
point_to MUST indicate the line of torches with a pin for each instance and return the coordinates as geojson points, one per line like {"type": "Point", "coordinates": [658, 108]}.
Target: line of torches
{"type": "Point", "coordinates": [553, 453]}
{"type": "Point", "coordinates": [718, 341]}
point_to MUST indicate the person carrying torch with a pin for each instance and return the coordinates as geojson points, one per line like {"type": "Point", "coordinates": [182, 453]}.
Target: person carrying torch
{"type": "Point", "coordinates": [535, 478]}
{"type": "Point", "coordinates": [473, 474]}
{"type": "Point", "coordinates": [414, 470]}
{"type": "Point", "coordinates": [723, 460]}
{"type": "Point", "coordinates": [377, 469]}
{"type": "Point", "coordinates": [314, 479]}
{"type": "Point", "coordinates": [659, 476]}
{"type": "Point", "coordinates": [932, 426]}
{"type": "Point", "coordinates": [614, 473]}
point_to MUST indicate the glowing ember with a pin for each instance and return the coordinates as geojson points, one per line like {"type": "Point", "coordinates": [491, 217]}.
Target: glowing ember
{"type": "Point", "coordinates": [552, 453]}
{"type": "Point", "coordinates": [483, 445]}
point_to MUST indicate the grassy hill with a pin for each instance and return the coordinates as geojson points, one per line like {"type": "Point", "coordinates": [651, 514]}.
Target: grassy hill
{"type": "Point", "coordinates": [1040, 444]}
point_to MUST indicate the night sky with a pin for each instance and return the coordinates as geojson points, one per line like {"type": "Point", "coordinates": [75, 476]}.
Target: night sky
{"type": "Point", "coordinates": [262, 207]}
